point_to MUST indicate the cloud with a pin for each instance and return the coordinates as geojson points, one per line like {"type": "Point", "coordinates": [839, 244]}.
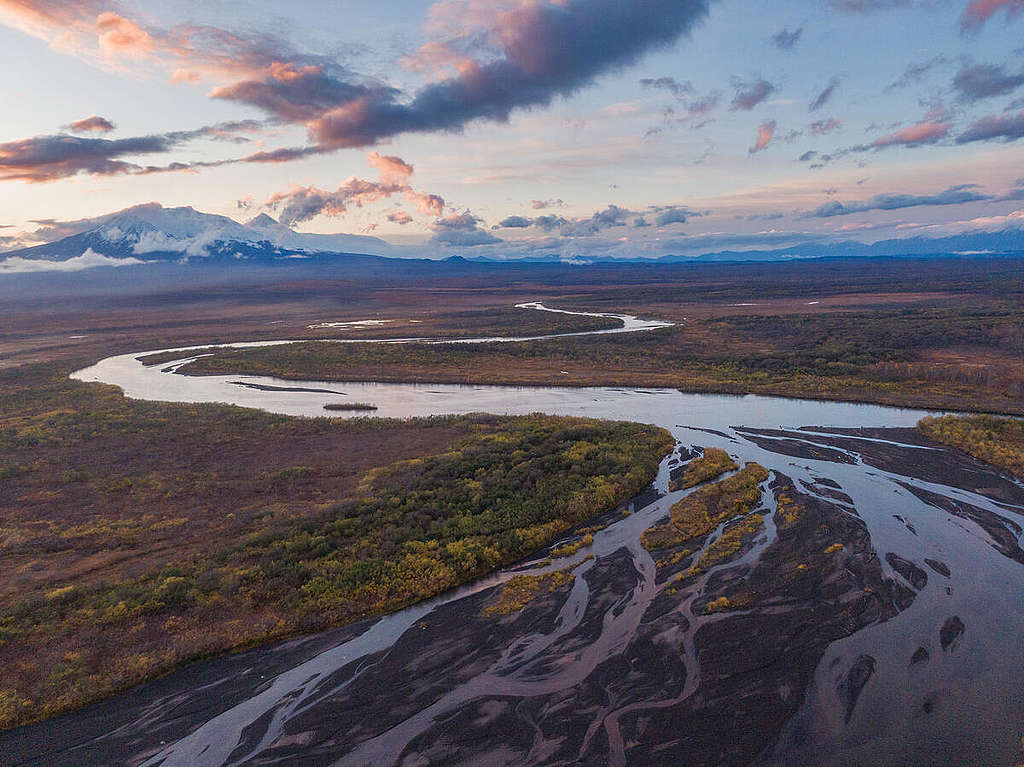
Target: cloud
{"type": "Point", "coordinates": [542, 204]}
{"type": "Point", "coordinates": [823, 127]}
{"type": "Point", "coordinates": [464, 221]}
{"type": "Point", "coordinates": [90, 124]}
{"type": "Point", "coordinates": [611, 216]}
{"type": "Point", "coordinates": [48, 158]}
{"type": "Point", "coordinates": [785, 39]}
{"type": "Point", "coordinates": [302, 203]}
{"type": "Point", "coordinates": [980, 11]}
{"type": "Point", "coordinates": [398, 216]}
{"type": "Point", "coordinates": [710, 241]}
{"type": "Point", "coordinates": [296, 94]}
{"type": "Point", "coordinates": [549, 223]}
{"type": "Point", "coordinates": [507, 56]}
{"type": "Point", "coordinates": [52, 157]}
{"type": "Point", "coordinates": [461, 230]}
{"type": "Point", "coordinates": [824, 96]}
{"type": "Point", "coordinates": [764, 136]}
{"type": "Point", "coordinates": [1017, 193]}
{"type": "Point", "coordinates": [514, 222]}
{"type": "Point", "coordinates": [915, 72]}
{"type": "Point", "coordinates": [955, 195]}
{"type": "Point", "coordinates": [117, 35]}
{"type": "Point", "coordinates": [924, 132]}
{"type": "Point", "coordinates": [88, 260]}
{"type": "Point", "coordinates": [672, 214]}
{"type": "Point", "coordinates": [982, 81]}
{"type": "Point", "coordinates": [1008, 127]}
{"type": "Point", "coordinates": [702, 105]}
{"type": "Point", "coordinates": [462, 239]}
{"type": "Point", "coordinates": [750, 93]}
{"type": "Point", "coordinates": [670, 84]}
{"type": "Point", "coordinates": [867, 6]}
{"type": "Point", "coordinates": [393, 170]}
{"type": "Point", "coordinates": [537, 51]}
{"type": "Point", "coordinates": [100, 32]}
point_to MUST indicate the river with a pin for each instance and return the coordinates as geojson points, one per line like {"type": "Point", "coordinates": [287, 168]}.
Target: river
{"type": "Point", "coordinates": [905, 647]}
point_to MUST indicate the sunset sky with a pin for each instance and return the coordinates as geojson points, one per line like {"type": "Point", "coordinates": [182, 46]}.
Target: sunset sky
{"type": "Point", "coordinates": [514, 127]}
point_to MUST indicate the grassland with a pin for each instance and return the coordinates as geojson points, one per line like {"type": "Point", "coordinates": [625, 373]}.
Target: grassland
{"type": "Point", "coordinates": [137, 536]}
{"type": "Point", "coordinates": [998, 441]}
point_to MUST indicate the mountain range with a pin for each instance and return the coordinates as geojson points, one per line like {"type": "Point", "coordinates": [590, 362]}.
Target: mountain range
{"type": "Point", "coordinates": [151, 233]}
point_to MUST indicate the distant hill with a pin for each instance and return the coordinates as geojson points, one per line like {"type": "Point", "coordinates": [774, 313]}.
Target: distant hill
{"type": "Point", "coordinates": [1004, 242]}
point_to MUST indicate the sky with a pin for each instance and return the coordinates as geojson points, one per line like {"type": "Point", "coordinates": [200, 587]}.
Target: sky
{"type": "Point", "coordinates": [511, 128]}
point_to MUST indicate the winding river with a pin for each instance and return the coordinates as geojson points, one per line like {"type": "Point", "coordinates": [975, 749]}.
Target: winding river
{"type": "Point", "coordinates": [904, 645]}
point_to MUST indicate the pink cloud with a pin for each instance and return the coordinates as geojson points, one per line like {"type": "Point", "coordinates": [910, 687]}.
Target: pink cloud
{"type": "Point", "coordinates": [764, 136]}
{"type": "Point", "coordinates": [914, 135]}
{"type": "Point", "coordinates": [120, 36]}
{"type": "Point", "coordinates": [980, 11]}
{"type": "Point", "coordinates": [426, 203]}
{"type": "Point", "coordinates": [90, 124]}
{"type": "Point", "coordinates": [183, 75]}
{"type": "Point", "coordinates": [393, 170]}
{"type": "Point", "coordinates": [302, 203]}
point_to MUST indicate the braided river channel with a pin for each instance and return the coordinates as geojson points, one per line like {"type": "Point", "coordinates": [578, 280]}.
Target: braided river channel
{"type": "Point", "coordinates": [884, 625]}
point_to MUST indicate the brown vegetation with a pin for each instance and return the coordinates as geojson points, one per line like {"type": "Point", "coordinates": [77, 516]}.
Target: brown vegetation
{"type": "Point", "coordinates": [926, 356]}
{"type": "Point", "coordinates": [998, 441]}
{"type": "Point", "coordinates": [520, 590]}
{"type": "Point", "coordinates": [703, 510]}
{"type": "Point", "coordinates": [135, 536]}
{"type": "Point", "coordinates": [713, 463]}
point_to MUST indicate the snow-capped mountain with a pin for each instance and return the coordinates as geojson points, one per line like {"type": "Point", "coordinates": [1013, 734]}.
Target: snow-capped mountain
{"type": "Point", "coordinates": [153, 233]}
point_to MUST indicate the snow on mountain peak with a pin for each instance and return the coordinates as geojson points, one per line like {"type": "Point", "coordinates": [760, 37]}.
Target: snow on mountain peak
{"type": "Point", "coordinates": [263, 221]}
